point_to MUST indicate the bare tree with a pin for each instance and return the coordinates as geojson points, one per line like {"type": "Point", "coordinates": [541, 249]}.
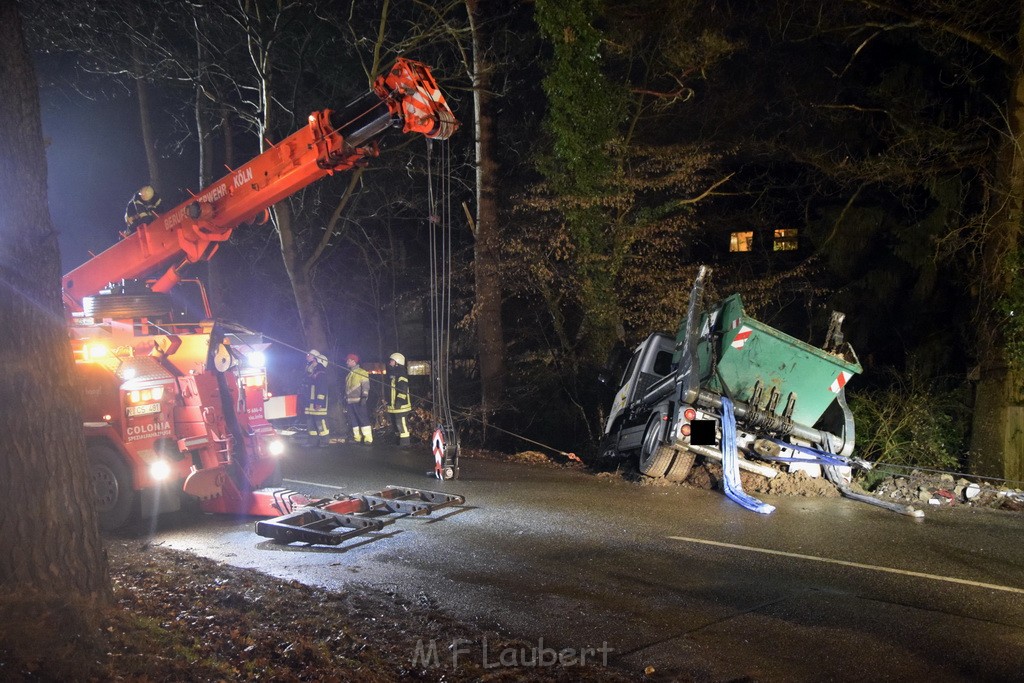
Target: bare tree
{"type": "Point", "coordinates": [265, 27]}
{"type": "Point", "coordinates": [52, 563]}
{"type": "Point", "coordinates": [486, 228]}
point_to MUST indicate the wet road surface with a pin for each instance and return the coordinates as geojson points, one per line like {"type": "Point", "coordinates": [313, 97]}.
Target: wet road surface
{"type": "Point", "coordinates": [679, 579]}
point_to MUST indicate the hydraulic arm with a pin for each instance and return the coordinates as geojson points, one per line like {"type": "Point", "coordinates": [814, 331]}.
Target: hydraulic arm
{"type": "Point", "coordinates": [405, 95]}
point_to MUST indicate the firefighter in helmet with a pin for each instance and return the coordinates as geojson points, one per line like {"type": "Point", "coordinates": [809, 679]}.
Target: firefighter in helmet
{"type": "Point", "coordinates": [399, 400]}
{"type": "Point", "coordinates": [141, 209]}
{"type": "Point", "coordinates": [357, 398]}
{"type": "Point", "coordinates": [315, 387]}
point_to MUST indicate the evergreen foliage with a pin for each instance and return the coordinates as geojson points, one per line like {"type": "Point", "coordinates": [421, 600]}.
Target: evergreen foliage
{"type": "Point", "coordinates": [913, 422]}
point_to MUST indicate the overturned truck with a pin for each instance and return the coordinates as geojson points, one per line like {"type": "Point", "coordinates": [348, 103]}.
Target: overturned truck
{"type": "Point", "coordinates": [729, 388]}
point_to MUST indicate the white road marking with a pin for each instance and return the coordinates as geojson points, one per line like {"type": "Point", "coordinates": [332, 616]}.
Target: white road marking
{"type": "Point", "coordinates": [858, 565]}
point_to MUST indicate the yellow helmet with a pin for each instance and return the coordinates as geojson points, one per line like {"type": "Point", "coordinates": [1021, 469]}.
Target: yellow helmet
{"type": "Point", "coordinates": [146, 193]}
{"type": "Point", "coordinates": [398, 358]}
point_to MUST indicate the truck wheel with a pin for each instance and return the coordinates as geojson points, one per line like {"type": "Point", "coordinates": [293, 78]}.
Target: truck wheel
{"type": "Point", "coordinates": [681, 466]}
{"type": "Point", "coordinates": [112, 482]}
{"type": "Point", "coordinates": [655, 457]}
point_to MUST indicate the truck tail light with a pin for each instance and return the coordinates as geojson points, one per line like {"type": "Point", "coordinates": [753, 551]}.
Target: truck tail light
{"type": "Point", "coordinates": [687, 416]}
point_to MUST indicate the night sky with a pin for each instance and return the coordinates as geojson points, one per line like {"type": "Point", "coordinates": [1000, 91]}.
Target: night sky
{"type": "Point", "coordinates": [95, 156]}
{"type": "Point", "coordinates": [96, 161]}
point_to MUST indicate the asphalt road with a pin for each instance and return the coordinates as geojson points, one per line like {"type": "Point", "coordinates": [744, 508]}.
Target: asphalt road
{"type": "Point", "coordinates": [674, 578]}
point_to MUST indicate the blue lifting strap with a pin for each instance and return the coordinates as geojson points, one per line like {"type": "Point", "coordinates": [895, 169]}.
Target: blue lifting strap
{"type": "Point", "coordinates": [731, 466]}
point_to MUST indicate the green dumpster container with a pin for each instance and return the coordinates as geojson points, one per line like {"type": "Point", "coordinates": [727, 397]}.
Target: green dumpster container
{"type": "Point", "coordinates": [746, 351]}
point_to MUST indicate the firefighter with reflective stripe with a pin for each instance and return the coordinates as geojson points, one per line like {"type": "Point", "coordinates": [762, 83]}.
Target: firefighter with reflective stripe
{"type": "Point", "coordinates": [399, 401]}
{"type": "Point", "coordinates": [141, 209]}
{"type": "Point", "coordinates": [315, 387]}
{"type": "Point", "coordinates": [357, 398]}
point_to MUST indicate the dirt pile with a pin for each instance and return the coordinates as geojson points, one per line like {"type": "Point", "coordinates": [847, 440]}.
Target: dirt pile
{"type": "Point", "coordinates": [539, 458]}
{"type": "Point", "coordinates": [532, 458]}
{"type": "Point", "coordinates": [798, 483]}
{"type": "Point", "coordinates": [709, 476]}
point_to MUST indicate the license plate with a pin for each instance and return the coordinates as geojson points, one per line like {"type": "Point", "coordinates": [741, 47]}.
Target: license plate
{"type": "Point", "coordinates": [148, 409]}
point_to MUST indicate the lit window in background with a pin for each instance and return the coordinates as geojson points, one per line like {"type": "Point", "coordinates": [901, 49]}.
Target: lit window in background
{"type": "Point", "coordinates": [785, 240]}
{"type": "Point", "coordinates": [741, 241]}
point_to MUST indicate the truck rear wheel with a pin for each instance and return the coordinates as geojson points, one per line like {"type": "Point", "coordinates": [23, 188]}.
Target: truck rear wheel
{"type": "Point", "coordinates": [655, 457]}
{"type": "Point", "coordinates": [112, 482]}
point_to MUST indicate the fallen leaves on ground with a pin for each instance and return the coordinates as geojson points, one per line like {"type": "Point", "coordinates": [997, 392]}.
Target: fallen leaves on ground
{"type": "Point", "coordinates": [182, 617]}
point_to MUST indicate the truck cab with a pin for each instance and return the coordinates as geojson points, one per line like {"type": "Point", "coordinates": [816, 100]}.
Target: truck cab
{"type": "Point", "coordinates": [650, 362]}
{"type": "Point", "coordinates": [171, 405]}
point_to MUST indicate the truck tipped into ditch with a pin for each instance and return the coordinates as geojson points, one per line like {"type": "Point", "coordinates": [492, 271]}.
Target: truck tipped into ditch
{"type": "Point", "coordinates": [787, 397]}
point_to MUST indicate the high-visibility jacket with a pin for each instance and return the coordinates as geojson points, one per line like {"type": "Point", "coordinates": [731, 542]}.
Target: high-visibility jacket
{"type": "Point", "coordinates": [316, 391]}
{"type": "Point", "coordinates": [357, 385]}
{"type": "Point", "coordinates": [399, 401]}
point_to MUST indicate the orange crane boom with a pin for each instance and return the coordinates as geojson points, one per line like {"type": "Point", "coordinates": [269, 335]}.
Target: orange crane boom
{"type": "Point", "coordinates": [406, 94]}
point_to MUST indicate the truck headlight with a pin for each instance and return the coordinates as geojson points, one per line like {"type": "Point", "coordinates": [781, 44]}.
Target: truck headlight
{"type": "Point", "coordinates": [256, 359]}
{"type": "Point", "coordinates": [96, 351]}
{"type": "Point", "coordinates": [276, 447]}
{"type": "Point", "coordinates": [159, 470]}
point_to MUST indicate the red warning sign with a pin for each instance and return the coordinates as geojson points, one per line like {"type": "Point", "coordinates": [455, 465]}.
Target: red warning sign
{"type": "Point", "coordinates": [438, 447]}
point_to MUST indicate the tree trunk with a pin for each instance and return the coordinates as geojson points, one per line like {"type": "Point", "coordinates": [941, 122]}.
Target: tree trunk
{"type": "Point", "coordinates": [50, 546]}
{"type": "Point", "coordinates": [310, 317]}
{"type": "Point", "coordinates": [209, 270]}
{"type": "Point", "coordinates": [997, 441]}
{"type": "Point", "coordinates": [487, 254]}
{"type": "Point", "coordinates": [218, 281]}
{"type": "Point", "coordinates": [146, 125]}
{"type": "Point", "coordinates": [310, 314]}
{"type": "Point", "coordinates": [205, 138]}
{"type": "Point", "coordinates": [229, 140]}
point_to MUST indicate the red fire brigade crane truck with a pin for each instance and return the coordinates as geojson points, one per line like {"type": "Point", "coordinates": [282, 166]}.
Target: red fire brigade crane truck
{"type": "Point", "coordinates": [174, 403]}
